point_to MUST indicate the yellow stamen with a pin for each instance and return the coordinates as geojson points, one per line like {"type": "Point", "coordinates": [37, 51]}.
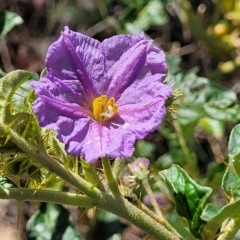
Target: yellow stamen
{"type": "Point", "coordinates": [103, 109]}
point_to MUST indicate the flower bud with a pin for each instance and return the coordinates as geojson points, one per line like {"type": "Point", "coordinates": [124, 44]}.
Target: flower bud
{"type": "Point", "coordinates": [140, 168]}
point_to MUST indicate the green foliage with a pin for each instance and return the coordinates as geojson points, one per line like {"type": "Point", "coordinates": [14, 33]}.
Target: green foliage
{"type": "Point", "coordinates": [204, 105]}
{"type": "Point", "coordinates": [8, 20]}
{"type": "Point", "coordinates": [6, 183]}
{"type": "Point", "coordinates": [144, 148]}
{"type": "Point", "coordinates": [234, 149]}
{"type": "Point", "coordinates": [189, 197]}
{"type": "Point", "coordinates": [152, 13]}
{"type": "Point", "coordinates": [231, 179]}
{"type": "Point", "coordinates": [52, 222]}
{"type": "Point", "coordinates": [18, 117]}
{"type": "Point", "coordinates": [201, 98]}
{"type": "Point", "coordinates": [8, 86]}
{"type": "Point", "coordinates": [8, 115]}
{"type": "Point", "coordinates": [204, 99]}
{"type": "Point", "coordinates": [215, 216]}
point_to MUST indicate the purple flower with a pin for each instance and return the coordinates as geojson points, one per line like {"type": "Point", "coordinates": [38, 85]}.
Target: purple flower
{"type": "Point", "coordinates": [101, 97]}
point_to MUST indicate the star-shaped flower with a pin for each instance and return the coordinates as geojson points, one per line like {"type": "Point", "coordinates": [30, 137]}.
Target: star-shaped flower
{"type": "Point", "coordinates": [102, 96]}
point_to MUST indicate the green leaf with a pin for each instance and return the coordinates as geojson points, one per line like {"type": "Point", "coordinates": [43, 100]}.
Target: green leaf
{"type": "Point", "coordinates": [51, 222]}
{"type": "Point", "coordinates": [231, 179]}
{"type": "Point", "coordinates": [6, 183]}
{"type": "Point", "coordinates": [152, 14]}
{"type": "Point", "coordinates": [204, 99]}
{"type": "Point", "coordinates": [215, 170]}
{"type": "Point", "coordinates": [234, 141]}
{"type": "Point", "coordinates": [8, 20]}
{"type": "Point", "coordinates": [223, 114]}
{"type": "Point", "coordinates": [8, 86]}
{"type": "Point", "coordinates": [144, 148]}
{"type": "Point", "coordinates": [189, 113]}
{"type": "Point", "coordinates": [215, 216]}
{"type": "Point", "coordinates": [188, 195]}
{"type": "Point", "coordinates": [212, 126]}
{"type": "Point", "coordinates": [8, 115]}
{"type": "Point", "coordinates": [233, 148]}
{"type": "Point", "coordinates": [210, 211]}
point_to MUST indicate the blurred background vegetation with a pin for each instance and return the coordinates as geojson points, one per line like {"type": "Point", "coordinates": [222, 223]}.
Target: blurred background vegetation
{"type": "Point", "coordinates": [202, 41]}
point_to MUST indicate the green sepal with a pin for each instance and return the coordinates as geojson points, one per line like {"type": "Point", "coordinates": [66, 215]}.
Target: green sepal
{"type": "Point", "coordinates": [189, 197]}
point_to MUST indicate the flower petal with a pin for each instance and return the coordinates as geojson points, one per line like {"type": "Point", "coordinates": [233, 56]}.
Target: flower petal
{"type": "Point", "coordinates": [113, 48]}
{"type": "Point", "coordinates": [143, 109]}
{"type": "Point", "coordinates": [93, 141]}
{"type": "Point", "coordinates": [77, 61]}
{"type": "Point", "coordinates": [56, 89]}
{"type": "Point", "coordinates": [140, 61]}
{"type": "Point", "coordinates": [102, 140]}
{"type": "Point", "coordinates": [128, 68]}
{"type": "Point", "coordinates": [50, 112]}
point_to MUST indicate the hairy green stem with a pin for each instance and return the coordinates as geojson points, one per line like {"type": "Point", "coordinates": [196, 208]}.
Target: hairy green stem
{"type": "Point", "coordinates": [190, 164]}
{"type": "Point", "coordinates": [116, 205]}
{"type": "Point", "coordinates": [123, 208]}
{"type": "Point", "coordinates": [51, 164]}
{"type": "Point", "coordinates": [112, 184]}
{"type": "Point", "coordinates": [165, 223]}
{"type": "Point", "coordinates": [24, 194]}
{"type": "Point", "coordinates": [120, 207]}
{"type": "Point", "coordinates": [159, 217]}
{"type": "Point", "coordinates": [117, 166]}
{"type": "Point", "coordinates": [153, 199]}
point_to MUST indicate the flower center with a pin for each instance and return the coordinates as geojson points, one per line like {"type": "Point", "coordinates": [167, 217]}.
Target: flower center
{"type": "Point", "coordinates": [103, 108]}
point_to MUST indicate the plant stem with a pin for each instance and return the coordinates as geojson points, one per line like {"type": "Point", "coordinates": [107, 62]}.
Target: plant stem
{"type": "Point", "coordinates": [43, 158]}
{"type": "Point", "coordinates": [24, 194]}
{"type": "Point", "coordinates": [114, 204]}
{"type": "Point", "coordinates": [117, 166]}
{"type": "Point", "coordinates": [109, 177]}
{"type": "Point", "coordinates": [154, 216]}
{"type": "Point", "coordinates": [159, 215]}
{"type": "Point", "coordinates": [123, 208]}
{"type": "Point", "coordinates": [153, 199]}
{"type": "Point", "coordinates": [190, 164]}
